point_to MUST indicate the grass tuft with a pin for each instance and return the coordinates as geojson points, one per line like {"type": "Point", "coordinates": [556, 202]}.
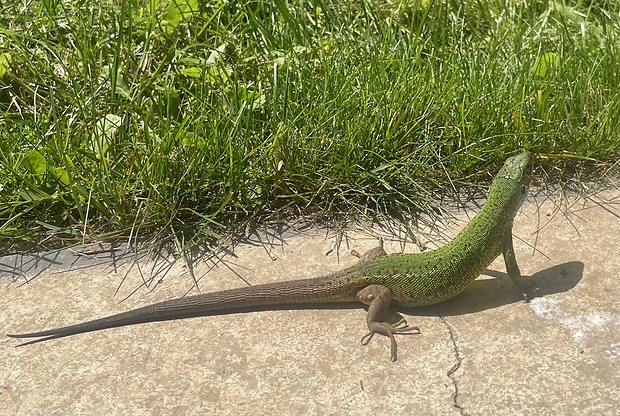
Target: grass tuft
{"type": "Point", "coordinates": [155, 119]}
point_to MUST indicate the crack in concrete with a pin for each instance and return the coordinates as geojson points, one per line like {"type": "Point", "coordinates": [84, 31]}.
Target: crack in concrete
{"type": "Point", "coordinates": [459, 361]}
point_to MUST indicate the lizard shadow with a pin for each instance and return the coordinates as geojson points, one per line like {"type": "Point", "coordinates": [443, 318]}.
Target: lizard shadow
{"type": "Point", "coordinates": [483, 294]}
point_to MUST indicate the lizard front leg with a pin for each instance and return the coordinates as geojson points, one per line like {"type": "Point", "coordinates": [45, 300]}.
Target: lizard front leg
{"type": "Point", "coordinates": [378, 299]}
{"type": "Point", "coordinates": [512, 268]}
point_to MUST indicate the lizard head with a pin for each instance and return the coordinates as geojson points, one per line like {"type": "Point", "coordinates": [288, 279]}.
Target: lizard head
{"type": "Point", "coordinates": [516, 167]}
{"type": "Point", "coordinates": [516, 174]}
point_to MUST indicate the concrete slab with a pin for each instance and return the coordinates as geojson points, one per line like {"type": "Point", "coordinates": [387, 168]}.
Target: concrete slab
{"type": "Point", "coordinates": [484, 352]}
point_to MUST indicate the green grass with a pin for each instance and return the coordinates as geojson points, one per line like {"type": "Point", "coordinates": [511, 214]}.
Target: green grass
{"type": "Point", "coordinates": [164, 119]}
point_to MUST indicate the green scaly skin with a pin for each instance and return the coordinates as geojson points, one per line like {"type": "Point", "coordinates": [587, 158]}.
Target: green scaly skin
{"type": "Point", "coordinates": [378, 280]}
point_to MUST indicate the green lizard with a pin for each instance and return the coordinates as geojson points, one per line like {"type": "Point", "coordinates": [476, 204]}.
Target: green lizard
{"type": "Point", "coordinates": [378, 280]}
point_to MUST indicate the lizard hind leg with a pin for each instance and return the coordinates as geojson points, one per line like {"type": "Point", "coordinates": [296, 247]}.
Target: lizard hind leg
{"type": "Point", "coordinates": [378, 299]}
{"type": "Point", "coordinates": [373, 253]}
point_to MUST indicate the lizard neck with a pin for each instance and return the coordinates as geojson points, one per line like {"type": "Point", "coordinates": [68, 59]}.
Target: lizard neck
{"type": "Point", "coordinates": [484, 232]}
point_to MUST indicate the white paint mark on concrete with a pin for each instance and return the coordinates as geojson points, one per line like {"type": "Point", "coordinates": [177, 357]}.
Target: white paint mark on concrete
{"type": "Point", "coordinates": [578, 325]}
{"type": "Point", "coordinates": [614, 350]}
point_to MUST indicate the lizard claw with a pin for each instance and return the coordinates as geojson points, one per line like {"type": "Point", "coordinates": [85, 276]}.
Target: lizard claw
{"type": "Point", "coordinates": [530, 294]}
{"type": "Point", "coordinates": [528, 290]}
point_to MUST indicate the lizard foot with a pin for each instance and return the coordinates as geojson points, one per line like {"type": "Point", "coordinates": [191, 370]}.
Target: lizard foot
{"type": "Point", "coordinates": [378, 299]}
{"type": "Point", "coordinates": [528, 290]}
{"type": "Point", "coordinates": [388, 329]}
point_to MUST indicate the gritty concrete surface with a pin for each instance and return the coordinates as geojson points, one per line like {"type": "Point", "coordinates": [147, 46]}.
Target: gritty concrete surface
{"type": "Point", "coordinates": [485, 352]}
